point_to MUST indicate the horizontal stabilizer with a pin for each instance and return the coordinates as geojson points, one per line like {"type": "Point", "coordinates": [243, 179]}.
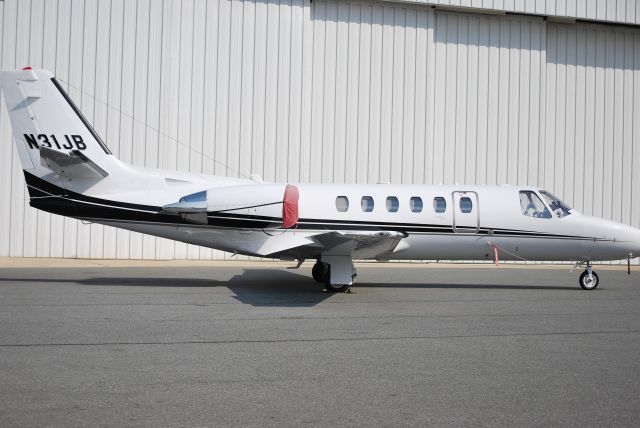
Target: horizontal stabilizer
{"type": "Point", "coordinates": [74, 164]}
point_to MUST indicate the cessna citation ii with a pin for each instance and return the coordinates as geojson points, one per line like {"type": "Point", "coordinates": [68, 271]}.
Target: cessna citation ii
{"type": "Point", "coordinates": [70, 171]}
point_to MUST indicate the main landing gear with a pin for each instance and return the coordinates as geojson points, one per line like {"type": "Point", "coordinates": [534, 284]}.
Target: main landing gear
{"type": "Point", "coordinates": [589, 280]}
{"type": "Point", "coordinates": [319, 271]}
{"type": "Point", "coordinates": [337, 273]}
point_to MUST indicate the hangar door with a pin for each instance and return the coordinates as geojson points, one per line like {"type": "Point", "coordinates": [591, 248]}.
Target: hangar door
{"type": "Point", "coordinates": [405, 94]}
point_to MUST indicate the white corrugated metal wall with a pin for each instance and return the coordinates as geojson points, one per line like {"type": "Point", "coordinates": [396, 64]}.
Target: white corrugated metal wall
{"type": "Point", "coordinates": [620, 11]}
{"type": "Point", "coordinates": [328, 92]}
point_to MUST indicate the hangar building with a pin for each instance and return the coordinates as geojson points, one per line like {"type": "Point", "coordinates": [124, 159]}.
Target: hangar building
{"type": "Point", "coordinates": [539, 92]}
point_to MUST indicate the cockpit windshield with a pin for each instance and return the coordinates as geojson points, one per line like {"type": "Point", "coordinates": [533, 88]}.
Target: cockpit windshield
{"type": "Point", "coordinates": [556, 205]}
{"type": "Point", "coordinates": [532, 206]}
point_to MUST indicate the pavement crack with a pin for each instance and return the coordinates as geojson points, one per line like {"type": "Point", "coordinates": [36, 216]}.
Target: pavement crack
{"type": "Point", "coordinates": [319, 340]}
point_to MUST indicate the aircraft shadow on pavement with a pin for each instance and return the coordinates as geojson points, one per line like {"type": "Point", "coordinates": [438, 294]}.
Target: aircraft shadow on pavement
{"type": "Point", "coordinates": [269, 287]}
{"type": "Point", "coordinates": [256, 287]}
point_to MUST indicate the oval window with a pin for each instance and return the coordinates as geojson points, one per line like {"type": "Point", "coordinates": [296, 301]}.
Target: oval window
{"type": "Point", "coordinates": [367, 204]}
{"type": "Point", "coordinates": [466, 206]}
{"type": "Point", "coordinates": [342, 203]}
{"type": "Point", "coordinates": [415, 203]}
{"type": "Point", "coordinates": [392, 204]}
{"type": "Point", "coordinates": [439, 204]}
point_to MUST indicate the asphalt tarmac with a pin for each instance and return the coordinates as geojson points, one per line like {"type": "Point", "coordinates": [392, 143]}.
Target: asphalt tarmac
{"type": "Point", "coordinates": [264, 346]}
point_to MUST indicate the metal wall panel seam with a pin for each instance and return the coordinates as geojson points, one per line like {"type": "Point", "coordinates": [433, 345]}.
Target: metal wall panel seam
{"type": "Point", "coordinates": [635, 133]}
{"type": "Point", "coordinates": [617, 167]}
{"type": "Point", "coordinates": [43, 229]}
{"type": "Point", "coordinates": [18, 205]}
{"type": "Point", "coordinates": [71, 225]}
{"type": "Point", "coordinates": [6, 159]}
{"type": "Point", "coordinates": [627, 109]}
{"type": "Point", "coordinates": [5, 131]}
{"type": "Point", "coordinates": [408, 158]}
{"type": "Point", "coordinates": [247, 89]}
{"type": "Point", "coordinates": [86, 103]}
{"type": "Point", "coordinates": [397, 87]}
{"type": "Point", "coordinates": [195, 155]}
{"type": "Point", "coordinates": [30, 217]}
{"type": "Point", "coordinates": [179, 248]}
{"type": "Point", "coordinates": [284, 91]}
{"type": "Point", "coordinates": [123, 237]}
{"type": "Point", "coordinates": [350, 126]}
{"type": "Point", "coordinates": [140, 70]}
{"type": "Point", "coordinates": [184, 143]}
{"type": "Point", "coordinates": [375, 97]}
{"type": "Point", "coordinates": [150, 150]}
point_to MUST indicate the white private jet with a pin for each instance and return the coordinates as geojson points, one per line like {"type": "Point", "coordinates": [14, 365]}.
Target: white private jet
{"type": "Point", "coordinates": [71, 172]}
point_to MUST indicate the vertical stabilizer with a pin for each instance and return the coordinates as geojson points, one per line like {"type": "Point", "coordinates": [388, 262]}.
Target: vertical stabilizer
{"type": "Point", "coordinates": [54, 140]}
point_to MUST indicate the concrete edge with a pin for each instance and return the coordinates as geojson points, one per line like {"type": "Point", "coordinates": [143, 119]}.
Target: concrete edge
{"type": "Point", "coordinates": [49, 263]}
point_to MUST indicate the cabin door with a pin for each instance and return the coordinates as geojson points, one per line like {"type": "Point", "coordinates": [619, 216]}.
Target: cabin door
{"type": "Point", "coordinates": [466, 212]}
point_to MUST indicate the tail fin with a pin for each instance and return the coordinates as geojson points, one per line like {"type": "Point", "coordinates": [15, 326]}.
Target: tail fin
{"type": "Point", "coordinates": [54, 140]}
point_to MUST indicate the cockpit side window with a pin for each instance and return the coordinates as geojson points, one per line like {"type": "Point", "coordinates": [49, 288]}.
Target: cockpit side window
{"type": "Point", "coordinates": [556, 205]}
{"type": "Point", "coordinates": [532, 206]}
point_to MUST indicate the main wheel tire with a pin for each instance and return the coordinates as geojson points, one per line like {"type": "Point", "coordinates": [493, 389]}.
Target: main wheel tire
{"type": "Point", "coordinates": [589, 283]}
{"type": "Point", "coordinates": [335, 288]}
{"type": "Point", "coordinates": [318, 271]}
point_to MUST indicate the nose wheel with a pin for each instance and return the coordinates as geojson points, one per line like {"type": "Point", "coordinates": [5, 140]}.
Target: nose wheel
{"type": "Point", "coordinates": [589, 280]}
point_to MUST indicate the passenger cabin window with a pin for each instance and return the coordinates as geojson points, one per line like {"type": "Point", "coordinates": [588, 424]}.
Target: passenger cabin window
{"type": "Point", "coordinates": [415, 203]}
{"type": "Point", "coordinates": [392, 204]}
{"type": "Point", "coordinates": [556, 205]}
{"type": "Point", "coordinates": [466, 206]}
{"type": "Point", "coordinates": [367, 204]}
{"type": "Point", "coordinates": [342, 203]}
{"type": "Point", "coordinates": [532, 206]}
{"type": "Point", "coordinates": [439, 204]}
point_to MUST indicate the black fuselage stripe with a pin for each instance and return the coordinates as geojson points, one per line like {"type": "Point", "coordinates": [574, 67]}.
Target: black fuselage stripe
{"type": "Point", "coordinates": [206, 226]}
{"type": "Point", "coordinates": [43, 185]}
{"type": "Point", "coordinates": [80, 206]}
{"type": "Point", "coordinates": [96, 213]}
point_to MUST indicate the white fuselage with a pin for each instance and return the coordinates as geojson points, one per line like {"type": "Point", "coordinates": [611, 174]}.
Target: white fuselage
{"type": "Point", "coordinates": [494, 222]}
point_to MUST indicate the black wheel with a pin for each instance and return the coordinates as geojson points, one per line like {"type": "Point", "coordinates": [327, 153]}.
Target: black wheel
{"type": "Point", "coordinates": [318, 271]}
{"type": "Point", "coordinates": [589, 283]}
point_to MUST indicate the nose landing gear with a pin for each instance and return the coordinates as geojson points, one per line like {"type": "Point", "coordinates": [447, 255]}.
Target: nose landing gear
{"type": "Point", "coordinates": [589, 280]}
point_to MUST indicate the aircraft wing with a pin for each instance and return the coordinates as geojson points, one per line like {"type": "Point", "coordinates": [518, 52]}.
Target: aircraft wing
{"type": "Point", "coordinates": [364, 244]}
{"type": "Point", "coordinates": [357, 244]}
